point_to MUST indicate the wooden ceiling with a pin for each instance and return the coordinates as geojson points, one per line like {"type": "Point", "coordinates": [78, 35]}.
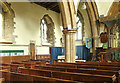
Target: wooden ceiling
{"type": "Point", "coordinates": [114, 9]}
{"type": "Point", "coordinates": [113, 13]}
{"type": "Point", "coordinates": [54, 6]}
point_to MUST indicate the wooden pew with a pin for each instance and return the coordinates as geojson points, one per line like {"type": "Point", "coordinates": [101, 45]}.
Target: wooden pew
{"type": "Point", "coordinates": [32, 64]}
{"type": "Point", "coordinates": [70, 76]}
{"type": "Point", "coordinates": [35, 72]}
{"type": "Point", "coordinates": [80, 70]}
{"type": "Point", "coordinates": [6, 68]}
{"type": "Point", "coordinates": [21, 64]}
{"type": "Point", "coordinates": [59, 60]}
{"type": "Point", "coordinates": [95, 64]}
{"type": "Point", "coordinates": [78, 66]}
{"type": "Point", "coordinates": [87, 66]}
{"type": "Point", "coordinates": [83, 78]}
{"type": "Point", "coordinates": [2, 80]}
{"type": "Point", "coordinates": [25, 78]}
{"type": "Point", "coordinates": [117, 64]}
{"type": "Point", "coordinates": [14, 67]}
{"type": "Point", "coordinates": [4, 64]}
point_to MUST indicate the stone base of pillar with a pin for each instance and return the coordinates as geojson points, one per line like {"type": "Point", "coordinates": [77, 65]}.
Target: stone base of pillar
{"type": "Point", "coordinates": [94, 58]}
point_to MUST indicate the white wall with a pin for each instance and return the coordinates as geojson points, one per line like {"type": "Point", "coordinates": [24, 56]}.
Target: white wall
{"type": "Point", "coordinates": [27, 27]}
{"type": "Point", "coordinates": [27, 18]}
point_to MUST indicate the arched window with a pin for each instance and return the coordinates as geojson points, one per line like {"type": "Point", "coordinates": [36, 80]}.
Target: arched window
{"type": "Point", "coordinates": [78, 35]}
{"type": "Point", "coordinates": [47, 31]}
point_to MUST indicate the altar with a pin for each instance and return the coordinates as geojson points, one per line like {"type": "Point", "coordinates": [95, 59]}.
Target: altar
{"type": "Point", "coordinates": [63, 57]}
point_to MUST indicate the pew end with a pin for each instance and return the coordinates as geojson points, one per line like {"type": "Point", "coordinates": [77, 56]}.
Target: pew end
{"type": "Point", "coordinates": [2, 80]}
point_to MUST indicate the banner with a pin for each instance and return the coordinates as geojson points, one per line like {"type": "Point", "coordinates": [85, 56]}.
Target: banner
{"type": "Point", "coordinates": [88, 43]}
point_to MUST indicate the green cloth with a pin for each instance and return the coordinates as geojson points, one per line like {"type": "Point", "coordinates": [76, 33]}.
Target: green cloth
{"type": "Point", "coordinates": [105, 46]}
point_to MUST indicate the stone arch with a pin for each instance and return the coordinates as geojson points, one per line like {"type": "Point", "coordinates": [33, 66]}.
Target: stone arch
{"type": "Point", "coordinates": [8, 22]}
{"type": "Point", "coordinates": [50, 29]}
{"type": "Point", "coordinates": [93, 16]}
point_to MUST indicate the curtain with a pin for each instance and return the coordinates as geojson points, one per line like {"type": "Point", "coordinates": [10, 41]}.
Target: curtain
{"type": "Point", "coordinates": [57, 51]}
{"type": "Point", "coordinates": [83, 52]}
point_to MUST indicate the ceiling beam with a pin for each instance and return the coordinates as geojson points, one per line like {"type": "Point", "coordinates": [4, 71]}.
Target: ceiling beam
{"type": "Point", "coordinates": [52, 5]}
{"type": "Point", "coordinates": [49, 5]}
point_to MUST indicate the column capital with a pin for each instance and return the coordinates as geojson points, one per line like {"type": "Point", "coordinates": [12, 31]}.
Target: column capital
{"type": "Point", "coordinates": [65, 31]}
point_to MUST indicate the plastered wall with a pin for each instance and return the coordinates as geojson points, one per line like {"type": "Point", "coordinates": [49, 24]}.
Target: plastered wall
{"type": "Point", "coordinates": [27, 26]}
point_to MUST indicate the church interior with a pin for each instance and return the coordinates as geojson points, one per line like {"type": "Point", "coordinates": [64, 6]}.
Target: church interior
{"type": "Point", "coordinates": [60, 41]}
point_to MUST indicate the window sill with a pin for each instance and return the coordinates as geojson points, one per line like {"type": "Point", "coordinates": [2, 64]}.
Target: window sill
{"type": "Point", "coordinates": [6, 42]}
{"type": "Point", "coordinates": [3, 41]}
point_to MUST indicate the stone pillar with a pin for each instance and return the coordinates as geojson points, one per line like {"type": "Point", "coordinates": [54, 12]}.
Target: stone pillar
{"type": "Point", "coordinates": [95, 44]}
{"type": "Point", "coordinates": [119, 25]}
{"type": "Point", "coordinates": [119, 37]}
{"type": "Point", "coordinates": [69, 37]}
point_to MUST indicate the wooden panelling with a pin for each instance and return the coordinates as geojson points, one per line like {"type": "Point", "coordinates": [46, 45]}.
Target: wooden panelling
{"type": "Point", "coordinates": [9, 59]}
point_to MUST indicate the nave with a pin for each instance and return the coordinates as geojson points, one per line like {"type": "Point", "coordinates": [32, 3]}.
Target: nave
{"type": "Point", "coordinates": [55, 42]}
{"type": "Point", "coordinates": [59, 72]}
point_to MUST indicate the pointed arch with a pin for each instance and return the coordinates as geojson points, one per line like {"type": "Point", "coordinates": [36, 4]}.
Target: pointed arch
{"type": "Point", "coordinates": [47, 30]}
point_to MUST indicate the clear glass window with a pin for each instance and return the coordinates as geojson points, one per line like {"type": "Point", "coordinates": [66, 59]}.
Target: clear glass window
{"type": "Point", "coordinates": [44, 31]}
{"type": "Point", "coordinates": [78, 35]}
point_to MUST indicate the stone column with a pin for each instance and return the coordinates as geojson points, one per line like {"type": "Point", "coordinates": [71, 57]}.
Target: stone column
{"type": "Point", "coordinates": [69, 36]}
{"type": "Point", "coordinates": [119, 37]}
{"type": "Point", "coordinates": [119, 25]}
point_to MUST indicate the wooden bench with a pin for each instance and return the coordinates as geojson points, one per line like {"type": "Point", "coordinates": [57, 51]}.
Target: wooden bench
{"type": "Point", "coordinates": [104, 63]}
{"type": "Point", "coordinates": [5, 68]}
{"type": "Point", "coordinates": [21, 64]}
{"type": "Point", "coordinates": [14, 67]}
{"type": "Point", "coordinates": [35, 72]}
{"type": "Point", "coordinates": [87, 66]}
{"type": "Point", "coordinates": [4, 64]}
{"type": "Point", "coordinates": [80, 70]}
{"type": "Point", "coordinates": [70, 75]}
{"type": "Point", "coordinates": [2, 80]}
{"type": "Point", "coordinates": [25, 78]}
{"type": "Point", "coordinates": [59, 60]}
{"type": "Point", "coordinates": [95, 64]}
